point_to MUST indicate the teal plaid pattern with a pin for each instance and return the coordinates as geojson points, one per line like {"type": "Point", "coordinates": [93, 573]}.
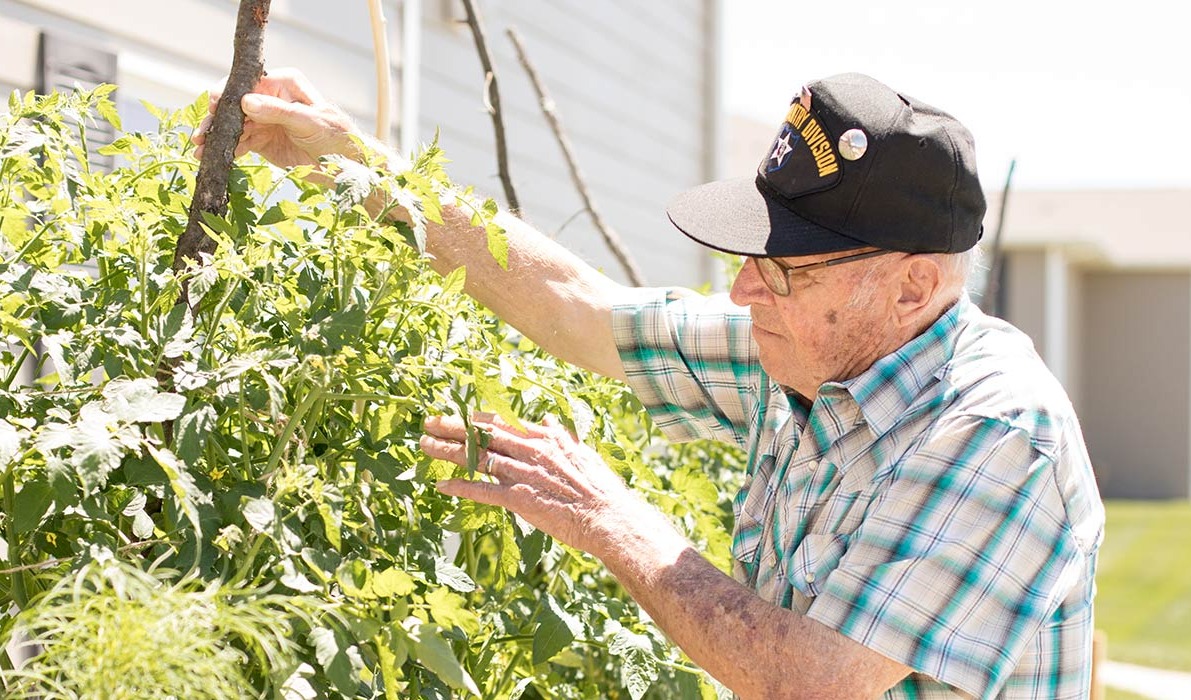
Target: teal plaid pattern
{"type": "Point", "coordinates": [940, 508]}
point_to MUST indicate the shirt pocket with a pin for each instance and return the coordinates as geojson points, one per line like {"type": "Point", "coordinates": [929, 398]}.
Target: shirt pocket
{"type": "Point", "coordinates": [813, 561]}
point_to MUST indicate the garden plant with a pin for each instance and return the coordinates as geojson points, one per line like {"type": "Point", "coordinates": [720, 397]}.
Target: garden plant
{"type": "Point", "coordinates": [224, 497]}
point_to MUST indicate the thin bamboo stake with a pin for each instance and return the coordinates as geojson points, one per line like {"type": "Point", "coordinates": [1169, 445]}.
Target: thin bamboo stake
{"type": "Point", "coordinates": [619, 251]}
{"type": "Point", "coordinates": [384, 71]}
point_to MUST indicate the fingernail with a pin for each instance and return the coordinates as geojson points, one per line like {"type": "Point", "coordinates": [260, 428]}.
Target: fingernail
{"type": "Point", "coordinates": [251, 103]}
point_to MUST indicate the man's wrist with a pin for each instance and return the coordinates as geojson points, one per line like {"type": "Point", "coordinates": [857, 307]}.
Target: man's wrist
{"type": "Point", "coordinates": [635, 537]}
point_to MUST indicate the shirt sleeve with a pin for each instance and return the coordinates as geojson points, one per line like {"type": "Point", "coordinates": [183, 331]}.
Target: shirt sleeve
{"type": "Point", "coordinates": [962, 561]}
{"type": "Point", "coordinates": [692, 363]}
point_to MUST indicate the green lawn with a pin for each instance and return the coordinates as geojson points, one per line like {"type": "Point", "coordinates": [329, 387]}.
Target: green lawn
{"type": "Point", "coordinates": [1143, 598]}
{"type": "Point", "coordinates": [1114, 694]}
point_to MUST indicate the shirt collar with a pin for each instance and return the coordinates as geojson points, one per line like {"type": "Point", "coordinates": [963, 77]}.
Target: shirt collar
{"type": "Point", "coordinates": [884, 391]}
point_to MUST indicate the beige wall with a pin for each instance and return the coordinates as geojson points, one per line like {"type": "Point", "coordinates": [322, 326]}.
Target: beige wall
{"type": "Point", "coordinates": [1136, 381]}
{"type": "Point", "coordinates": [1024, 289]}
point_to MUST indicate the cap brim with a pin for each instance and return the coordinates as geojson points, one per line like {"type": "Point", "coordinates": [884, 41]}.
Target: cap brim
{"type": "Point", "coordinates": [734, 216]}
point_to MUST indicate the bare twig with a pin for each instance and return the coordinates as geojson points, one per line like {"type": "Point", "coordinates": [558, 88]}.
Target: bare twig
{"type": "Point", "coordinates": [51, 563]}
{"type": "Point", "coordinates": [210, 190]}
{"type": "Point", "coordinates": [492, 103]}
{"type": "Point", "coordinates": [384, 71]}
{"type": "Point", "coordinates": [610, 238]}
{"type": "Point", "coordinates": [993, 282]}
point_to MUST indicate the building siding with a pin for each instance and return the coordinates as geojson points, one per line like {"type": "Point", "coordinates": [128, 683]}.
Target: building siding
{"type": "Point", "coordinates": [629, 82]}
{"type": "Point", "coordinates": [1136, 381]}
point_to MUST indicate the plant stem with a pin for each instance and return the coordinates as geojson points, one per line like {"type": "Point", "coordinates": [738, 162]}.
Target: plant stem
{"type": "Point", "coordinates": [292, 425]}
{"type": "Point", "coordinates": [249, 559]}
{"type": "Point", "coordinates": [16, 369]}
{"type": "Point", "coordinates": [20, 596]}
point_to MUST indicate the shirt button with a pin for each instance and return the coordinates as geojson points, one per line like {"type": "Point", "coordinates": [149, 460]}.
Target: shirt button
{"type": "Point", "coordinates": [810, 578]}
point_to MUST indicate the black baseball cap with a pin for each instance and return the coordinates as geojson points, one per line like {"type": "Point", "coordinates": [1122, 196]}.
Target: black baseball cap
{"type": "Point", "coordinates": [855, 165]}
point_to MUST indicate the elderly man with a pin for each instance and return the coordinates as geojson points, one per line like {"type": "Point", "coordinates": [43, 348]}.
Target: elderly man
{"type": "Point", "coordinates": [919, 518]}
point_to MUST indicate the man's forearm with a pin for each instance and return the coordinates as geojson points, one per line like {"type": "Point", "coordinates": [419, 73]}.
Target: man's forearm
{"type": "Point", "coordinates": [548, 293]}
{"type": "Point", "coordinates": [753, 647]}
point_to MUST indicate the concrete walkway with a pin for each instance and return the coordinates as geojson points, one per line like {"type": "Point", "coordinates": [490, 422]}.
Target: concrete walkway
{"type": "Point", "coordinates": [1149, 682]}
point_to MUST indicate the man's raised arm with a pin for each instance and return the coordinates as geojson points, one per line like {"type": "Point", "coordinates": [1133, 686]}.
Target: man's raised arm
{"type": "Point", "coordinates": [548, 293]}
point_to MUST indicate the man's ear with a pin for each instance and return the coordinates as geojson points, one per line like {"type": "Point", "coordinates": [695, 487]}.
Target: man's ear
{"type": "Point", "coordinates": [921, 283]}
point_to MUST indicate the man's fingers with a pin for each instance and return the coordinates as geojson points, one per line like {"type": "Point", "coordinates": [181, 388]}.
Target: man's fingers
{"type": "Point", "coordinates": [265, 109]}
{"type": "Point", "coordinates": [251, 142]}
{"type": "Point", "coordinates": [200, 133]}
{"type": "Point", "coordinates": [502, 437]}
{"type": "Point", "coordinates": [478, 491]}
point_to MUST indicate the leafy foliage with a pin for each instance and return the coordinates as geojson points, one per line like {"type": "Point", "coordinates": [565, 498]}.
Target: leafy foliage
{"type": "Point", "coordinates": [258, 450]}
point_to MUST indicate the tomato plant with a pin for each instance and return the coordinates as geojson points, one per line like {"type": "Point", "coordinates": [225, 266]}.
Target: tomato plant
{"type": "Point", "coordinates": [251, 459]}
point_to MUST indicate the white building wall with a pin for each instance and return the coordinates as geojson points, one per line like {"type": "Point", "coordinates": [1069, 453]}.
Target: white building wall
{"type": "Point", "coordinates": [633, 84]}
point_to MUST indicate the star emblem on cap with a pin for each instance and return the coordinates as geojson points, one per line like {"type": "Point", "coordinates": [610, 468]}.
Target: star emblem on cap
{"type": "Point", "coordinates": [781, 149]}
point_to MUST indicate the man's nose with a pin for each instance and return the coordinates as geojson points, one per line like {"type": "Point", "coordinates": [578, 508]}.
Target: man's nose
{"type": "Point", "coordinates": [748, 287]}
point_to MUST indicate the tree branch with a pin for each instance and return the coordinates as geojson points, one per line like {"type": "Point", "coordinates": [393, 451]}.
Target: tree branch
{"type": "Point", "coordinates": [610, 237]}
{"type": "Point", "coordinates": [492, 102]}
{"type": "Point", "coordinates": [990, 302]}
{"type": "Point", "coordinates": [210, 190]}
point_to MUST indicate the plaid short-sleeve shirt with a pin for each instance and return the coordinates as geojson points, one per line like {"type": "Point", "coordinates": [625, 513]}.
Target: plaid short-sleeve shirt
{"type": "Point", "coordinates": [940, 508]}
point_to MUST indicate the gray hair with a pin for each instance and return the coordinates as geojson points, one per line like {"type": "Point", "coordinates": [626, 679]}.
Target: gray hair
{"type": "Point", "coordinates": [958, 270]}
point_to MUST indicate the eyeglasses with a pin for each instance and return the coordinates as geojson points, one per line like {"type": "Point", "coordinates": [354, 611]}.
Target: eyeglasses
{"type": "Point", "coordinates": [777, 276]}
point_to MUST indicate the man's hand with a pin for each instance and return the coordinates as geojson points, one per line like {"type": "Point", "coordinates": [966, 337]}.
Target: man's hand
{"type": "Point", "coordinates": [543, 474]}
{"type": "Point", "coordinates": [288, 122]}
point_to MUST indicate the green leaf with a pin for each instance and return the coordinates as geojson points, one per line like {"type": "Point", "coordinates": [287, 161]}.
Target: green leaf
{"type": "Point", "coordinates": [219, 224]}
{"type": "Point", "coordinates": [32, 502]}
{"type": "Point", "coordinates": [107, 110]}
{"type": "Point", "coordinates": [355, 579]}
{"type": "Point", "coordinates": [436, 655]}
{"type": "Point", "coordinates": [329, 503]}
{"type": "Point", "coordinates": [532, 546]}
{"type": "Point", "coordinates": [343, 328]}
{"type": "Point", "coordinates": [495, 397]}
{"type": "Point", "coordinates": [639, 667]}
{"type": "Point", "coordinates": [142, 525]}
{"type": "Point", "coordinates": [143, 470]}
{"type": "Point", "coordinates": [332, 654]}
{"type": "Point", "coordinates": [452, 576]}
{"type": "Point", "coordinates": [392, 583]}
{"type": "Point", "coordinates": [555, 631]}
{"type": "Point", "coordinates": [498, 244]}
{"type": "Point", "coordinates": [138, 401]}
{"type": "Point", "coordinates": [260, 513]}
{"type": "Point", "coordinates": [182, 484]}
{"type": "Point", "coordinates": [694, 488]}
{"type": "Point", "coordinates": [323, 562]}
{"type": "Point", "coordinates": [452, 284]}
{"type": "Point", "coordinates": [193, 428]}
{"type": "Point", "coordinates": [450, 609]}
{"type": "Point", "coordinates": [136, 504]}
{"type": "Point", "coordinates": [282, 211]}
{"type": "Point", "coordinates": [510, 554]}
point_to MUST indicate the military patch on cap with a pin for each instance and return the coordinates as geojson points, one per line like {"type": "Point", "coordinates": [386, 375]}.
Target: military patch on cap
{"type": "Point", "coordinates": [803, 158]}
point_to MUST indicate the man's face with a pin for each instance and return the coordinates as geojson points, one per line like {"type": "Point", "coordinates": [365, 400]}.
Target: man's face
{"type": "Point", "coordinates": [832, 326]}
